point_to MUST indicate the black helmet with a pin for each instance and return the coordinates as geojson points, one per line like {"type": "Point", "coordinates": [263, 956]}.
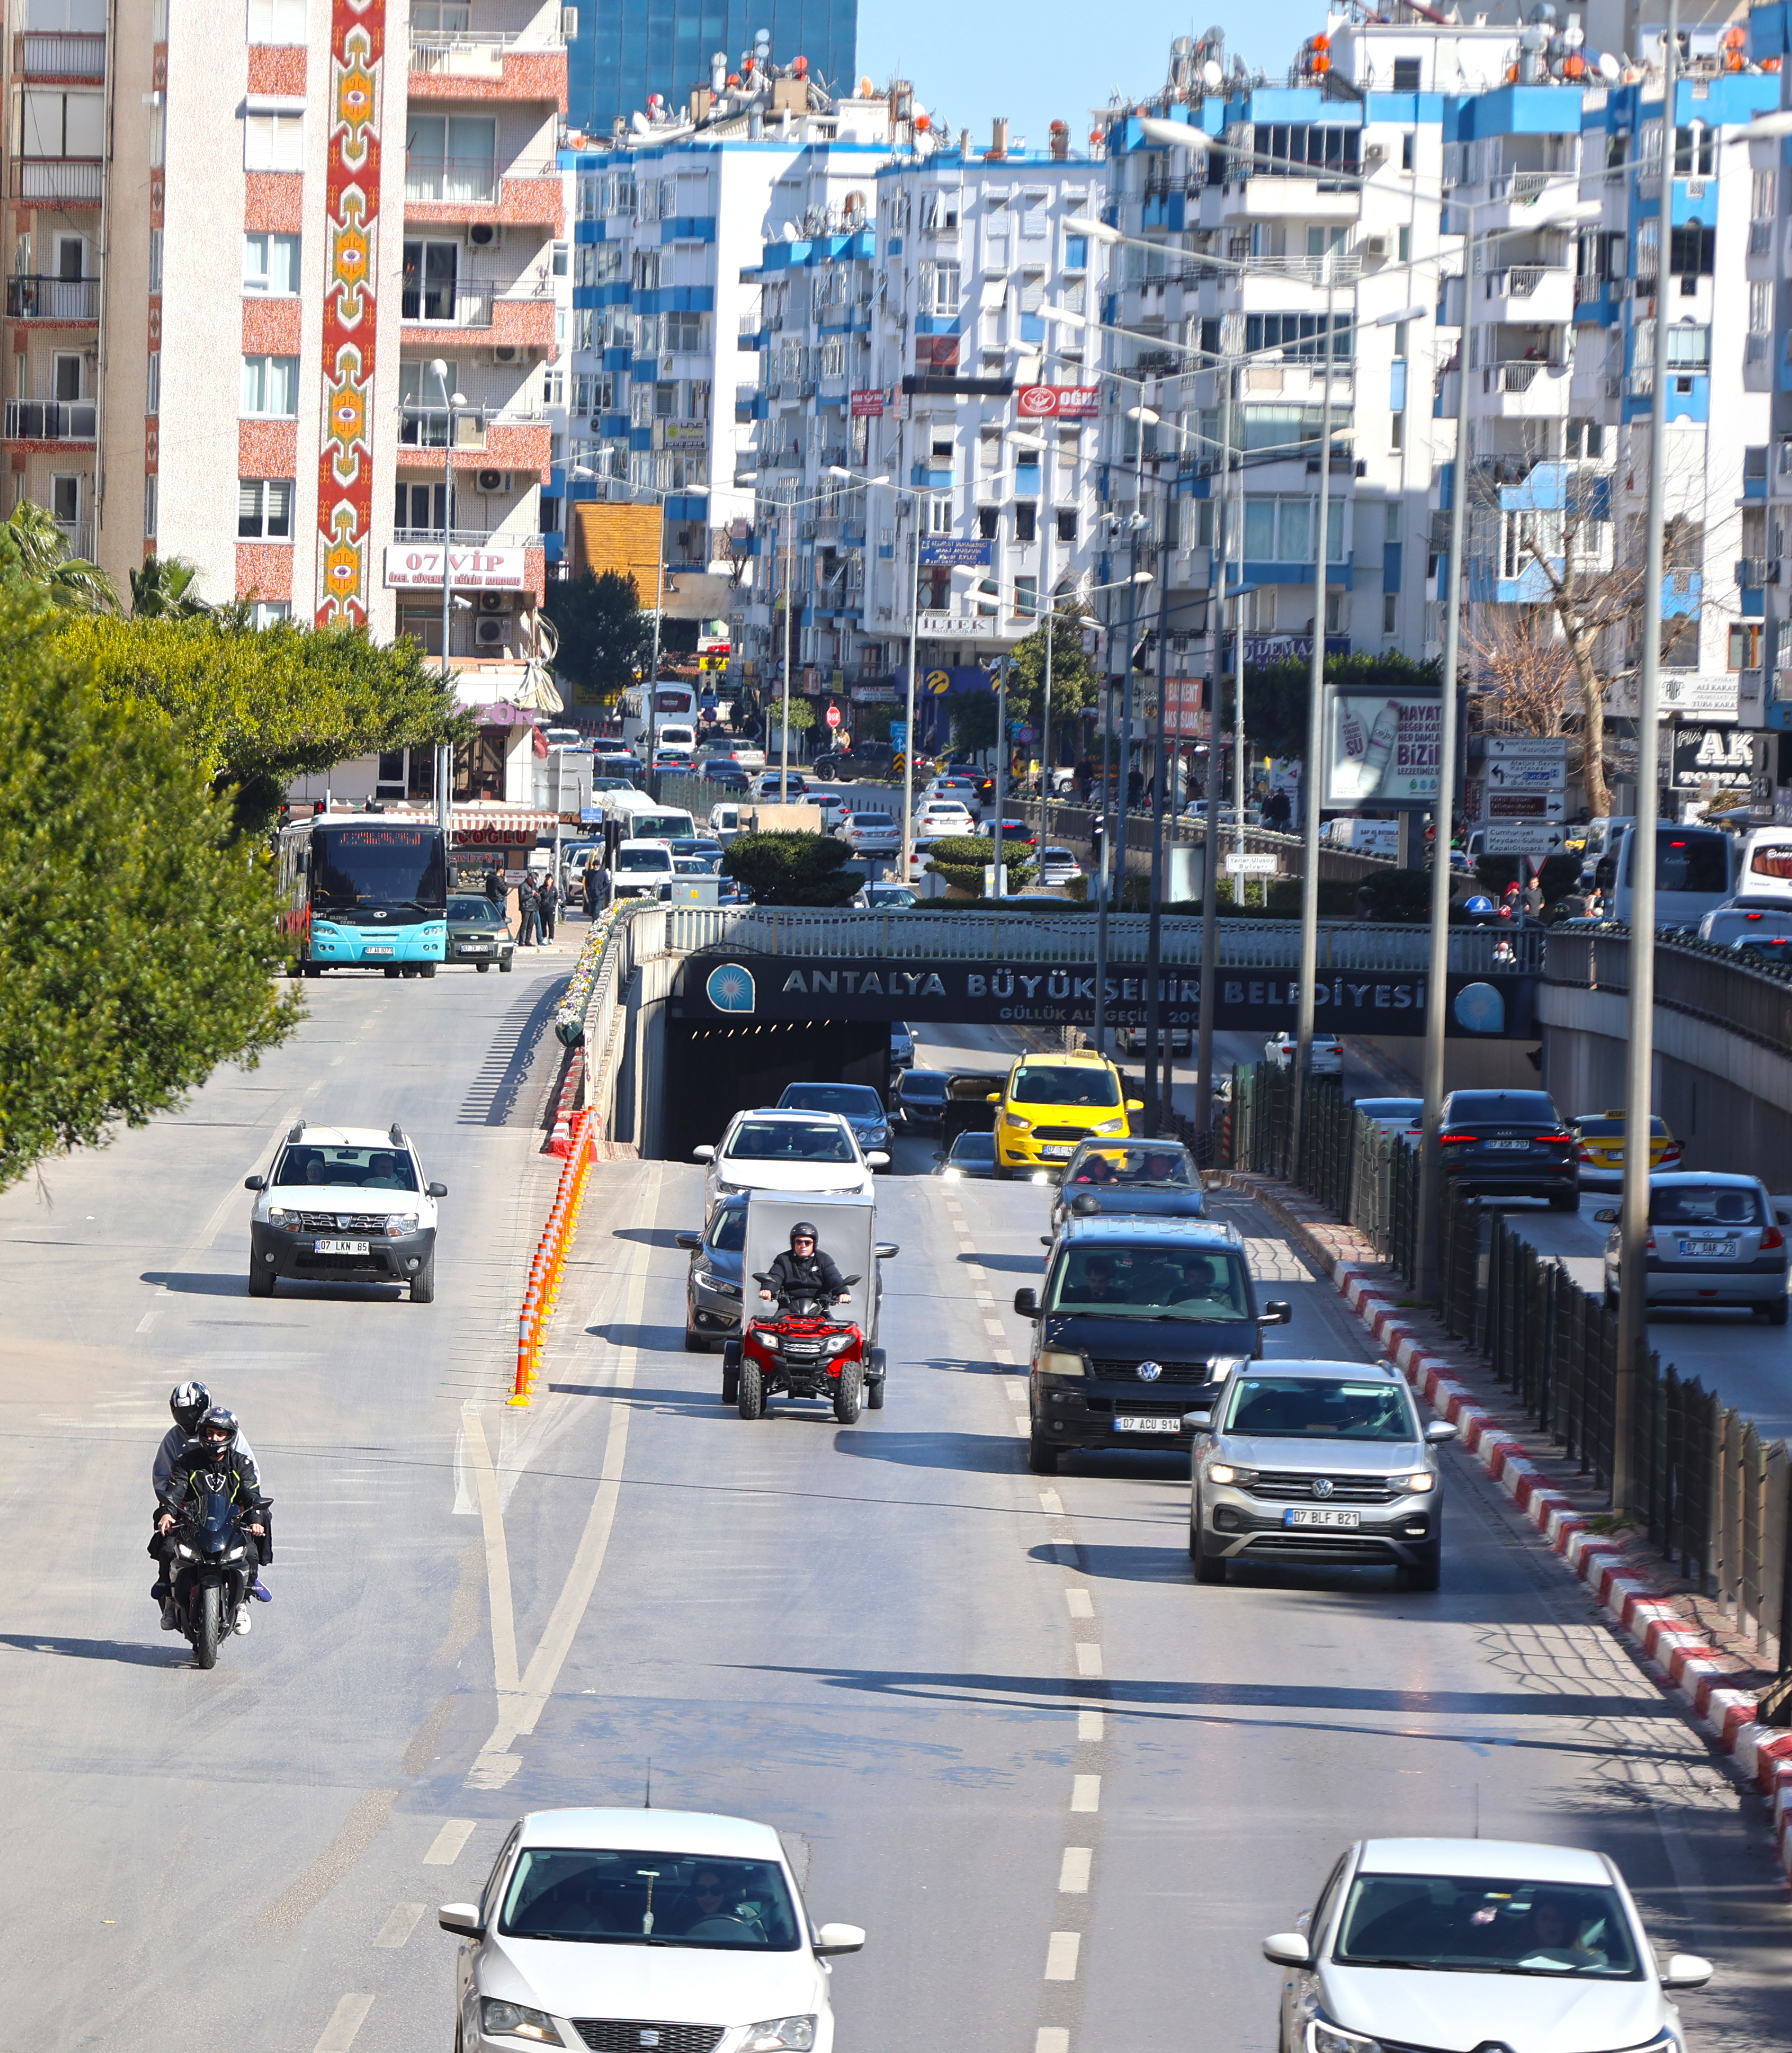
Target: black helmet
{"type": "Point", "coordinates": [189, 1402]}
{"type": "Point", "coordinates": [219, 1418]}
{"type": "Point", "coordinates": [802, 1230]}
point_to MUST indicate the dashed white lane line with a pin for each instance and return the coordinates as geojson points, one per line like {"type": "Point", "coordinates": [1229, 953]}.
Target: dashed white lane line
{"type": "Point", "coordinates": [1091, 1729]}
{"type": "Point", "coordinates": [1085, 1793]}
{"type": "Point", "coordinates": [1051, 1504]}
{"type": "Point", "coordinates": [994, 1326]}
{"type": "Point", "coordinates": [403, 1922]}
{"type": "Point", "coordinates": [1073, 1877]}
{"type": "Point", "coordinates": [1060, 1957]}
{"type": "Point", "coordinates": [1081, 1603]}
{"type": "Point", "coordinates": [1088, 1658]}
{"type": "Point", "coordinates": [445, 1849]}
{"type": "Point", "coordinates": [1023, 1425]}
{"type": "Point", "coordinates": [345, 2021]}
{"type": "Point", "coordinates": [1052, 2039]}
{"type": "Point", "coordinates": [1004, 1356]}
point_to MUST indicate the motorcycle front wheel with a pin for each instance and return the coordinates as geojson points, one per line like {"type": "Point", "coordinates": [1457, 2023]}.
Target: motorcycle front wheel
{"type": "Point", "coordinates": [205, 1626]}
{"type": "Point", "coordinates": [846, 1394]}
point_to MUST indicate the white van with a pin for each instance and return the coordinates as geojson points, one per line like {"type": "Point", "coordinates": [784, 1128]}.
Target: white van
{"type": "Point", "coordinates": [1363, 837]}
{"type": "Point", "coordinates": [1765, 871]}
{"type": "Point", "coordinates": [642, 869]}
{"type": "Point", "coordinates": [1694, 872]}
{"type": "Point", "coordinates": [677, 741]}
{"type": "Point", "coordinates": [724, 820]}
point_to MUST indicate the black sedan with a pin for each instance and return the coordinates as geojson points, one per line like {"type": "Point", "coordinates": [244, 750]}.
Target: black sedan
{"type": "Point", "coordinates": [479, 933]}
{"type": "Point", "coordinates": [971, 1155]}
{"type": "Point", "coordinates": [1510, 1145]}
{"type": "Point", "coordinates": [725, 776]}
{"type": "Point", "coordinates": [1140, 1178]}
{"type": "Point", "coordinates": [713, 1281]}
{"type": "Point", "coordinates": [919, 1096]}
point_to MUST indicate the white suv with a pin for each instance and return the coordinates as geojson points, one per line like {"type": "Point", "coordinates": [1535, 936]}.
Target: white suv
{"type": "Point", "coordinates": [347, 1202]}
{"type": "Point", "coordinates": [1475, 1942]}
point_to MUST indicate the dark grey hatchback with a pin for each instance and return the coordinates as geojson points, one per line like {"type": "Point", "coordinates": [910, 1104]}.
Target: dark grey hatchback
{"type": "Point", "coordinates": [1510, 1145]}
{"type": "Point", "coordinates": [1137, 1318]}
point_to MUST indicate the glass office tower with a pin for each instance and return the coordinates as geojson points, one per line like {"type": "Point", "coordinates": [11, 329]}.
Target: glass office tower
{"type": "Point", "coordinates": [628, 49]}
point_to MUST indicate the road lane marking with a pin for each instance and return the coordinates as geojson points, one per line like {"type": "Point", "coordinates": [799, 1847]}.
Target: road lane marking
{"type": "Point", "coordinates": [1060, 1957]}
{"type": "Point", "coordinates": [1073, 1877]}
{"type": "Point", "coordinates": [1081, 1603]}
{"type": "Point", "coordinates": [1085, 1793]}
{"type": "Point", "coordinates": [346, 2019]}
{"type": "Point", "coordinates": [445, 1848]}
{"type": "Point", "coordinates": [994, 1326]}
{"type": "Point", "coordinates": [1091, 1729]}
{"type": "Point", "coordinates": [1052, 2039]}
{"type": "Point", "coordinates": [365, 1822]}
{"type": "Point", "coordinates": [1051, 1504]}
{"type": "Point", "coordinates": [497, 1553]}
{"type": "Point", "coordinates": [1088, 1658]}
{"type": "Point", "coordinates": [403, 1922]}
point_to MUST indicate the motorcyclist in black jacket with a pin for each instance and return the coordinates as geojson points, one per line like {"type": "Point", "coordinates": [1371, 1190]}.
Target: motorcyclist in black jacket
{"type": "Point", "coordinates": [214, 1460]}
{"type": "Point", "coordinates": [804, 1271]}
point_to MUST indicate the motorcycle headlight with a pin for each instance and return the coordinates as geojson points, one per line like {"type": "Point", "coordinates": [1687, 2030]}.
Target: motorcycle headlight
{"type": "Point", "coordinates": [1416, 1483]}
{"type": "Point", "coordinates": [769, 1341]}
{"type": "Point", "coordinates": [185, 1551]}
{"type": "Point", "coordinates": [1052, 1361]}
{"type": "Point", "coordinates": [1323, 2038]}
{"type": "Point", "coordinates": [777, 2034]}
{"type": "Point", "coordinates": [518, 2021]}
{"type": "Point", "coordinates": [399, 1223]}
{"type": "Point", "coordinates": [232, 1553]}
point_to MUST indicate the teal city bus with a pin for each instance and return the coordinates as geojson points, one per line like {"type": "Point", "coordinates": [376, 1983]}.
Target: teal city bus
{"type": "Point", "coordinates": [366, 892]}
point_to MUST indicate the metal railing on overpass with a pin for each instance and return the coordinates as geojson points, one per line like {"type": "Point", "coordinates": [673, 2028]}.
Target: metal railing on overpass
{"type": "Point", "coordinates": [1751, 998]}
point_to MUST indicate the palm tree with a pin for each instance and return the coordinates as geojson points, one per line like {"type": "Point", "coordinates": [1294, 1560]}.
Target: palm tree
{"type": "Point", "coordinates": [163, 588]}
{"type": "Point", "coordinates": [33, 551]}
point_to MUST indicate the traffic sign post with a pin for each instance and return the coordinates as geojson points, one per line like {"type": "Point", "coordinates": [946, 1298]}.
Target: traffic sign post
{"type": "Point", "coordinates": [833, 716]}
{"type": "Point", "coordinates": [1251, 866]}
{"type": "Point", "coordinates": [1536, 837]}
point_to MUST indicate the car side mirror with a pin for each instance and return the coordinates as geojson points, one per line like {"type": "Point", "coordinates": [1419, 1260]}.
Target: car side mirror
{"type": "Point", "coordinates": [1606, 1215]}
{"type": "Point", "coordinates": [1277, 1312]}
{"type": "Point", "coordinates": [1045, 1240]}
{"type": "Point", "coordinates": [706, 1153]}
{"type": "Point", "coordinates": [939, 1158]}
{"type": "Point", "coordinates": [436, 1190]}
{"type": "Point", "coordinates": [887, 1251]}
{"type": "Point", "coordinates": [688, 1242]}
{"type": "Point", "coordinates": [839, 1939]}
{"type": "Point", "coordinates": [1135, 1104]}
{"type": "Point", "coordinates": [1686, 1970]}
{"type": "Point", "coordinates": [1198, 1422]}
{"type": "Point", "coordinates": [1026, 1303]}
{"type": "Point", "coordinates": [877, 1160]}
{"type": "Point", "coordinates": [461, 1919]}
{"type": "Point", "coordinates": [1438, 1432]}
{"type": "Point", "coordinates": [994, 1097]}
{"type": "Point", "coordinates": [255, 1183]}
{"type": "Point", "coordinates": [1288, 1949]}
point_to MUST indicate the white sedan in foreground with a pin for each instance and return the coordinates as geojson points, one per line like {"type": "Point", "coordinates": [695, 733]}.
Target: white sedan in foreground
{"type": "Point", "coordinates": [788, 1151]}
{"type": "Point", "coordinates": [1455, 1944]}
{"type": "Point", "coordinates": [617, 1929]}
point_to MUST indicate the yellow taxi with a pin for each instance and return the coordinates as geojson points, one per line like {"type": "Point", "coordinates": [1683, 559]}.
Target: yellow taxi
{"type": "Point", "coordinates": [1050, 1103]}
{"type": "Point", "coordinates": [1600, 1138]}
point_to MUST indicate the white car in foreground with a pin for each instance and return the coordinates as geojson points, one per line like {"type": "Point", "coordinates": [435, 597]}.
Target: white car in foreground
{"type": "Point", "coordinates": [1458, 1944]}
{"type": "Point", "coordinates": [776, 1150]}
{"type": "Point", "coordinates": [1326, 1056]}
{"type": "Point", "coordinates": [626, 1928]}
{"type": "Point", "coordinates": [343, 1204]}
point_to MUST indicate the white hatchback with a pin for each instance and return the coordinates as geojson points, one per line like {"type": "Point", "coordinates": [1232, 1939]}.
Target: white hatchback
{"type": "Point", "coordinates": [776, 1150]}
{"type": "Point", "coordinates": [613, 1928]}
{"type": "Point", "coordinates": [1471, 1943]}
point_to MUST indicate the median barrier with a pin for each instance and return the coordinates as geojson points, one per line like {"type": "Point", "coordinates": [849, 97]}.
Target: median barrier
{"type": "Point", "coordinates": [541, 1292]}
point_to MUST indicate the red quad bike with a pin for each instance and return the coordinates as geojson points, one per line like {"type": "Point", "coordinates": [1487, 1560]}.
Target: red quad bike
{"type": "Point", "coordinates": [803, 1350]}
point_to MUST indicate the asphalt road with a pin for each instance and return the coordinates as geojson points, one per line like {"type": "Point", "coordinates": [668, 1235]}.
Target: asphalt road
{"type": "Point", "coordinates": [1067, 1792]}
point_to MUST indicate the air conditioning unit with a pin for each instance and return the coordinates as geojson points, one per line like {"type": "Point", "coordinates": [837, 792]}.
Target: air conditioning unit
{"type": "Point", "coordinates": [1373, 247]}
{"type": "Point", "coordinates": [495, 480]}
{"type": "Point", "coordinates": [486, 235]}
{"type": "Point", "coordinates": [506, 353]}
{"type": "Point", "coordinates": [569, 23]}
{"type": "Point", "coordinates": [490, 633]}
{"type": "Point", "coordinates": [494, 602]}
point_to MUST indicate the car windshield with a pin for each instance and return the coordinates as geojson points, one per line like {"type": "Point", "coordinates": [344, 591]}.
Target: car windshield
{"type": "Point", "coordinates": [728, 1229]}
{"type": "Point", "coordinates": [1391, 1108]}
{"type": "Point", "coordinates": [1068, 1083]}
{"type": "Point", "coordinates": [358, 1168]}
{"type": "Point", "coordinates": [923, 1083]}
{"type": "Point", "coordinates": [872, 820]}
{"type": "Point", "coordinates": [1309, 1407]}
{"type": "Point", "coordinates": [1150, 1282]}
{"type": "Point", "coordinates": [973, 1149]}
{"type": "Point", "coordinates": [648, 1899]}
{"type": "Point", "coordinates": [1468, 1924]}
{"type": "Point", "coordinates": [474, 913]}
{"type": "Point", "coordinates": [643, 858]}
{"type": "Point", "coordinates": [856, 1101]}
{"type": "Point", "coordinates": [1165, 1168]}
{"type": "Point", "coordinates": [376, 866]}
{"type": "Point", "coordinates": [1704, 1204]}
{"type": "Point", "coordinates": [790, 1141]}
{"type": "Point", "coordinates": [1499, 1108]}
{"type": "Point", "coordinates": [1059, 855]}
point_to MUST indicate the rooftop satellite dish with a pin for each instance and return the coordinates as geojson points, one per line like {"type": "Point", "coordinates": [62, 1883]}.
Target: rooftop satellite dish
{"type": "Point", "coordinates": [788, 231]}
{"type": "Point", "coordinates": [638, 121]}
{"type": "Point", "coordinates": [1611, 70]}
{"type": "Point", "coordinates": [1212, 76]}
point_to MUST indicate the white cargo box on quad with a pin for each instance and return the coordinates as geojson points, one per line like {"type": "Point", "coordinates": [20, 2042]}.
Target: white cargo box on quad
{"type": "Point", "coordinates": [846, 1228]}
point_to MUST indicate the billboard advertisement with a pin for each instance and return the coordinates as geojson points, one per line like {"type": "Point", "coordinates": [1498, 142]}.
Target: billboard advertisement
{"type": "Point", "coordinates": [1380, 749]}
{"type": "Point", "coordinates": [955, 549]}
{"type": "Point", "coordinates": [1057, 403]}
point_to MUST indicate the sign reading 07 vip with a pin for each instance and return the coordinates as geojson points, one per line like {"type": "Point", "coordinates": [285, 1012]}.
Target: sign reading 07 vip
{"type": "Point", "coordinates": [1381, 749]}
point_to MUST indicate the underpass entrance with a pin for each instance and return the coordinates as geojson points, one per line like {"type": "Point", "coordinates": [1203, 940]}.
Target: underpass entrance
{"type": "Point", "coordinates": [714, 1071]}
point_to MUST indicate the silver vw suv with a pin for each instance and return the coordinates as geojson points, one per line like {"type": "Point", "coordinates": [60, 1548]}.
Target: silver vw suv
{"type": "Point", "coordinates": [1317, 1461]}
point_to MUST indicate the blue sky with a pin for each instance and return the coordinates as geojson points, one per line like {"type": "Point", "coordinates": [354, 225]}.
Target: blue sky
{"type": "Point", "coordinates": [1048, 60]}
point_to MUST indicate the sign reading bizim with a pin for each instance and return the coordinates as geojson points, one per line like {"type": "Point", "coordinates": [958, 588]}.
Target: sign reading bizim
{"type": "Point", "coordinates": [1265, 1000]}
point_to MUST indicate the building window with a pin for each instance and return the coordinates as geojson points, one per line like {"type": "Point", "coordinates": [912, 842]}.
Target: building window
{"type": "Point", "coordinates": [940, 288]}
{"type": "Point", "coordinates": [1300, 337]}
{"type": "Point", "coordinates": [65, 500]}
{"type": "Point", "coordinates": [273, 142]}
{"type": "Point", "coordinates": [431, 270]}
{"type": "Point", "coordinates": [1692, 250]}
{"type": "Point", "coordinates": [270, 264]}
{"type": "Point", "coordinates": [1745, 645]}
{"type": "Point", "coordinates": [1067, 524]}
{"type": "Point", "coordinates": [1396, 432]}
{"type": "Point", "coordinates": [452, 157]}
{"type": "Point", "coordinates": [155, 260]}
{"type": "Point", "coordinates": [265, 509]}
{"type": "Point", "coordinates": [1406, 145]}
{"type": "Point", "coordinates": [152, 386]}
{"type": "Point", "coordinates": [423, 509]}
{"type": "Point", "coordinates": [61, 124]}
{"type": "Point", "coordinates": [939, 514]}
{"type": "Point", "coordinates": [1390, 612]}
{"type": "Point", "coordinates": [1026, 522]}
{"type": "Point", "coordinates": [280, 21]}
{"type": "Point", "coordinates": [1406, 74]}
{"type": "Point", "coordinates": [986, 519]}
{"type": "Point", "coordinates": [65, 373]}
{"type": "Point", "coordinates": [149, 505]}
{"type": "Point", "coordinates": [270, 387]}
{"type": "Point", "coordinates": [268, 610]}
{"type": "Point", "coordinates": [684, 334]}
{"type": "Point", "coordinates": [1279, 530]}
{"type": "Point", "coordinates": [1026, 597]}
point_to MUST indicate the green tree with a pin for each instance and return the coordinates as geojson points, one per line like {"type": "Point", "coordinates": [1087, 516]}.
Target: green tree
{"type": "Point", "coordinates": [961, 859]}
{"type": "Point", "coordinates": [791, 869]}
{"type": "Point", "coordinates": [137, 935]}
{"type": "Point", "coordinates": [605, 637]}
{"type": "Point", "coordinates": [1073, 681]}
{"type": "Point", "coordinates": [256, 709]}
{"type": "Point", "coordinates": [162, 590]}
{"type": "Point", "coordinates": [1275, 694]}
{"type": "Point", "coordinates": [34, 557]}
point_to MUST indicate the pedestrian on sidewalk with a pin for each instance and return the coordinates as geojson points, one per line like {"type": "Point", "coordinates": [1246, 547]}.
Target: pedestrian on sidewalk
{"type": "Point", "coordinates": [547, 903]}
{"type": "Point", "coordinates": [497, 887]}
{"type": "Point", "coordinates": [529, 912]}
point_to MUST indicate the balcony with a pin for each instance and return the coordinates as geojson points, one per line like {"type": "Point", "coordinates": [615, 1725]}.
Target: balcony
{"type": "Point", "coordinates": [70, 299]}
{"type": "Point", "coordinates": [468, 538]}
{"type": "Point", "coordinates": [51, 53]}
{"type": "Point", "coordinates": [527, 192]}
{"type": "Point", "coordinates": [523, 321]}
{"type": "Point", "coordinates": [59, 181]}
{"type": "Point", "coordinates": [1533, 292]}
{"type": "Point", "coordinates": [1518, 376]}
{"type": "Point", "coordinates": [1755, 573]}
{"type": "Point", "coordinates": [50, 420]}
{"type": "Point", "coordinates": [1345, 269]}
{"type": "Point", "coordinates": [426, 427]}
{"type": "Point", "coordinates": [452, 65]}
